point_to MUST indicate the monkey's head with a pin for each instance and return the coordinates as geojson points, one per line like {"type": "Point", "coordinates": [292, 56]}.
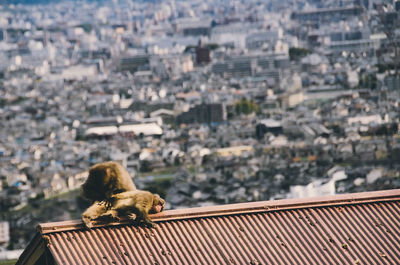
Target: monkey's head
{"type": "Point", "coordinates": [91, 192]}
{"type": "Point", "coordinates": [158, 204]}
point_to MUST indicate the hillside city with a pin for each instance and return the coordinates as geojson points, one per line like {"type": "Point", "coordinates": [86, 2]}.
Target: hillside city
{"type": "Point", "coordinates": [204, 102]}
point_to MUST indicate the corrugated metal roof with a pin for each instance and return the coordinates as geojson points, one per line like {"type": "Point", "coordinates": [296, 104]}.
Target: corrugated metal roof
{"type": "Point", "coordinates": [362, 228]}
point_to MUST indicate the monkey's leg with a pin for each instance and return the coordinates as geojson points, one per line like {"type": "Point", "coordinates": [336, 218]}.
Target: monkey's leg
{"type": "Point", "coordinates": [110, 214]}
{"type": "Point", "coordinates": [123, 195]}
{"type": "Point", "coordinates": [142, 216]}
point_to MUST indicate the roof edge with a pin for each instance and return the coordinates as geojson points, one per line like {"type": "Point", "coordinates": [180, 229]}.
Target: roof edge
{"type": "Point", "coordinates": [242, 208]}
{"type": "Point", "coordinates": [33, 251]}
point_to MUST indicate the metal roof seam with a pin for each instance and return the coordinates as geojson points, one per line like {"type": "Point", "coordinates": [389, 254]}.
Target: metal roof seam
{"type": "Point", "coordinates": [128, 250]}
{"type": "Point", "coordinates": [184, 242]}
{"type": "Point", "coordinates": [367, 234]}
{"type": "Point", "coordinates": [64, 257]}
{"type": "Point", "coordinates": [338, 215]}
{"type": "Point", "coordinates": [189, 232]}
{"type": "Point", "coordinates": [93, 240]}
{"type": "Point", "coordinates": [349, 237]}
{"type": "Point", "coordinates": [220, 231]}
{"type": "Point", "coordinates": [313, 213]}
{"type": "Point", "coordinates": [393, 208]}
{"type": "Point", "coordinates": [114, 245]}
{"type": "Point", "coordinates": [73, 248]}
{"type": "Point", "coordinates": [204, 242]}
{"type": "Point", "coordinates": [244, 237]}
{"type": "Point", "coordinates": [81, 241]}
{"type": "Point", "coordinates": [160, 245]}
{"type": "Point", "coordinates": [119, 245]}
{"type": "Point", "coordinates": [388, 225]}
{"type": "Point", "coordinates": [143, 237]}
{"type": "Point", "coordinates": [294, 236]}
{"type": "Point", "coordinates": [133, 244]}
{"type": "Point", "coordinates": [175, 251]}
{"type": "Point", "coordinates": [285, 241]}
{"type": "Point", "coordinates": [228, 232]}
{"type": "Point", "coordinates": [252, 230]}
{"type": "Point", "coordinates": [325, 238]}
{"type": "Point", "coordinates": [360, 227]}
{"type": "Point", "coordinates": [332, 237]}
{"type": "Point", "coordinates": [104, 254]}
{"type": "Point", "coordinates": [146, 239]}
{"type": "Point", "coordinates": [266, 228]}
{"type": "Point", "coordinates": [211, 234]}
{"type": "Point", "coordinates": [376, 236]}
{"type": "Point", "coordinates": [216, 257]}
{"type": "Point", "coordinates": [180, 247]}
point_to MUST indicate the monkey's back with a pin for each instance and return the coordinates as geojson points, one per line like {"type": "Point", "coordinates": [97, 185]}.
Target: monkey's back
{"type": "Point", "coordinates": [106, 178]}
{"type": "Point", "coordinates": [134, 200]}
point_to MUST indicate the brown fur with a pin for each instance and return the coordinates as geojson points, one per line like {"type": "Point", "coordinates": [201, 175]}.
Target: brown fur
{"type": "Point", "coordinates": [106, 179]}
{"type": "Point", "coordinates": [92, 213]}
{"type": "Point", "coordinates": [134, 205]}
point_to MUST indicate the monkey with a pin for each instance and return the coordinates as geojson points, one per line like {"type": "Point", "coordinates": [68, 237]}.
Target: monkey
{"type": "Point", "coordinates": [134, 205]}
{"type": "Point", "coordinates": [106, 179]}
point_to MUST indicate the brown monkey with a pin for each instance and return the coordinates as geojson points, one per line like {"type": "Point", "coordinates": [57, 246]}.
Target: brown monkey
{"type": "Point", "coordinates": [106, 179]}
{"type": "Point", "coordinates": [134, 205]}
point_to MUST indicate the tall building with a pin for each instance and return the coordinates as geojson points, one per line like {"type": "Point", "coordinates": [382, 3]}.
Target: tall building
{"type": "Point", "coordinates": [238, 67]}
{"type": "Point", "coordinates": [251, 65]}
{"type": "Point", "coordinates": [328, 14]}
{"type": "Point", "coordinates": [134, 63]}
{"type": "Point", "coordinates": [204, 113]}
{"type": "Point", "coordinates": [393, 82]}
{"type": "Point", "coordinates": [202, 54]}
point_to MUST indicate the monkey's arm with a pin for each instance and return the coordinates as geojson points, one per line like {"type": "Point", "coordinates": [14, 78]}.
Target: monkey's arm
{"type": "Point", "coordinates": [143, 205]}
{"type": "Point", "coordinates": [143, 216]}
{"type": "Point", "coordinates": [92, 213]}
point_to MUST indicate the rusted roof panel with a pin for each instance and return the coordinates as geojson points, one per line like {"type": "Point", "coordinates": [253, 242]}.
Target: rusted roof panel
{"type": "Point", "coordinates": [359, 228]}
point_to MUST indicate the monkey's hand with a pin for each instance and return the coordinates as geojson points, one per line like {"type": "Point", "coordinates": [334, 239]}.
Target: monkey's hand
{"type": "Point", "coordinates": [150, 224]}
{"type": "Point", "coordinates": [140, 222]}
{"type": "Point", "coordinates": [147, 222]}
{"type": "Point", "coordinates": [106, 203]}
{"type": "Point", "coordinates": [132, 216]}
{"type": "Point", "coordinates": [87, 221]}
{"type": "Point", "coordinates": [100, 203]}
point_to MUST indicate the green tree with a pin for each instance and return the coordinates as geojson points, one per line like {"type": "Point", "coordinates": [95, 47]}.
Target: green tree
{"type": "Point", "coordinates": [297, 53]}
{"type": "Point", "coordinates": [245, 106]}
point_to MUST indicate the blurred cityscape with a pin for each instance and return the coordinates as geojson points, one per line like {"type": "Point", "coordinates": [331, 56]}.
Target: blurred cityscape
{"type": "Point", "coordinates": [205, 102]}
